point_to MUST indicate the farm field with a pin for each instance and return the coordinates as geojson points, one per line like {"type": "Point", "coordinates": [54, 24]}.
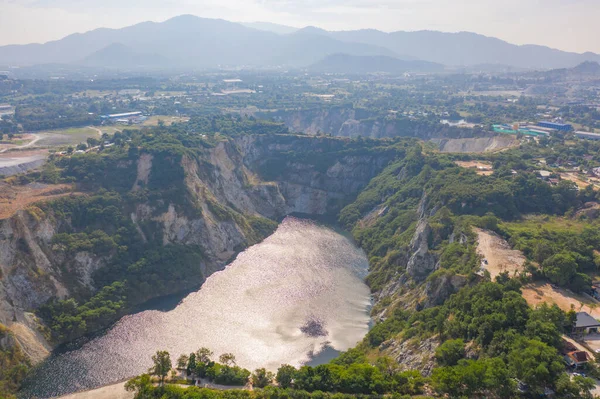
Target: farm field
{"type": "Point", "coordinates": [168, 120]}
{"type": "Point", "coordinates": [61, 137]}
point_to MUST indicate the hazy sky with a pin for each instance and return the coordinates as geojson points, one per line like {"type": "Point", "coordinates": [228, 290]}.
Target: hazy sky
{"type": "Point", "coordinates": [564, 24]}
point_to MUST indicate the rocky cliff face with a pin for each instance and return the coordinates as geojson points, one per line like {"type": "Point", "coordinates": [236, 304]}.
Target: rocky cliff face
{"type": "Point", "coordinates": [27, 276]}
{"type": "Point", "coordinates": [307, 187]}
{"type": "Point", "coordinates": [476, 145]}
{"type": "Point", "coordinates": [315, 121]}
{"type": "Point", "coordinates": [350, 122]}
{"type": "Point", "coordinates": [227, 188]}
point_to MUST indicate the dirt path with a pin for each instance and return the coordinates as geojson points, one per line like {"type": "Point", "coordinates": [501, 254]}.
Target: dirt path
{"type": "Point", "coordinates": [500, 257]}
{"type": "Point", "coordinates": [36, 138]}
{"type": "Point", "coordinates": [96, 129]}
{"type": "Point", "coordinates": [115, 391]}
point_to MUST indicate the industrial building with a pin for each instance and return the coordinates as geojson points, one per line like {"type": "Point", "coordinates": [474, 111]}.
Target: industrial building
{"type": "Point", "coordinates": [6, 109]}
{"type": "Point", "coordinates": [561, 127]}
{"type": "Point", "coordinates": [588, 135]}
{"type": "Point", "coordinates": [123, 115]}
{"type": "Point", "coordinates": [526, 130]}
{"type": "Point", "coordinates": [542, 128]}
{"type": "Point", "coordinates": [126, 118]}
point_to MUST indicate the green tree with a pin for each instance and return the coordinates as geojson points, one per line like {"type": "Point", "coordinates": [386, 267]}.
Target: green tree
{"type": "Point", "coordinates": [578, 387]}
{"type": "Point", "coordinates": [192, 364]}
{"type": "Point", "coordinates": [142, 385]}
{"type": "Point", "coordinates": [162, 365]}
{"type": "Point", "coordinates": [228, 359]}
{"type": "Point", "coordinates": [560, 268]}
{"type": "Point", "coordinates": [450, 352]}
{"type": "Point", "coordinates": [387, 366]}
{"type": "Point", "coordinates": [182, 361]}
{"type": "Point", "coordinates": [286, 375]}
{"type": "Point", "coordinates": [261, 378]}
{"type": "Point", "coordinates": [204, 355]}
{"type": "Point", "coordinates": [535, 363]}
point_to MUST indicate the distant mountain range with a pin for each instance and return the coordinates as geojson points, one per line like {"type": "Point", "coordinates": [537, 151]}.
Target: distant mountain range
{"type": "Point", "coordinates": [356, 64]}
{"type": "Point", "coordinates": [189, 41]}
{"type": "Point", "coordinates": [270, 27]}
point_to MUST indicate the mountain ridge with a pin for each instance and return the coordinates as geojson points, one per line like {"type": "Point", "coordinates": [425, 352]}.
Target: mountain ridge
{"type": "Point", "coordinates": [353, 64]}
{"type": "Point", "coordinates": [191, 41]}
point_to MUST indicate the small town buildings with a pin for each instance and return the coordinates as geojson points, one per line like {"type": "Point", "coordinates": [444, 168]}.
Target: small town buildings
{"type": "Point", "coordinates": [585, 324]}
{"type": "Point", "coordinates": [577, 359]}
{"type": "Point", "coordinates": [544, 173]}
{"type": "Point", "coordinates": [6, 109]}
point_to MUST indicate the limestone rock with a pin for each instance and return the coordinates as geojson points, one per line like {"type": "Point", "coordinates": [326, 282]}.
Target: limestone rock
{"type": "Point", "coordinates": [422, 262]}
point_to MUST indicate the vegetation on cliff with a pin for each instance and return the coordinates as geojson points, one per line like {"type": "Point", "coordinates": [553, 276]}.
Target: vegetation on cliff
{"type": "Point", "coordinates": [133, 255]}
{"type": "Point", "coordinates": [14, 365]}
{"type": "Point", "coordinates": [507, 341]}
{"type": "Point", "coordinates": [414, 220]}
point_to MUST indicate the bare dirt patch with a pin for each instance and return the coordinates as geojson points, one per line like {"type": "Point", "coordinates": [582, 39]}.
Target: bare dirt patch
{"type": "Point", "coordinates": [499, 255]}
{"type": "Point", "coordinates": [538, 293]}
{"type": "Point", "coordinates": [581, 183]}
{"type": "Point", "coordinates": [482, 168]}
{"type": "Point", "coordinates": [15, 198]}
{"type": "Point", "coordinates": [115, 391]}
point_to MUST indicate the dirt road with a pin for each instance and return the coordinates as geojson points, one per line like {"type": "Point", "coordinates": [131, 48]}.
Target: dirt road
{"type": "Point", "coordinates": [35, 138]}
{"type": "Point", "coordinates": [500, 257]}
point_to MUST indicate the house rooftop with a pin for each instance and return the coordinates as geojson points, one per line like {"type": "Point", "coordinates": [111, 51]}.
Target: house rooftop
{"type": "Point", "coordinates": [579, 356]}
{"type": "Point", "coordinates": [584, 320]}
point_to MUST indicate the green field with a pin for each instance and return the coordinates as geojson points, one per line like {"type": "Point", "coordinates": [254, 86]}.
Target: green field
{"type": "Point", "coordinates": [168, 120]}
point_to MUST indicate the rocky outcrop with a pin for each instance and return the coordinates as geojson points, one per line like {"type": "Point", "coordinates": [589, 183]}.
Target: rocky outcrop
{"type": "Point", "coordinates": [422, 262]}
{"type": "Point", "coordinates": [413, 354]}
{"type": "Point", "coordinates": [27, 277]}
{"type": "Point", "coordinates": [439, 288]}
{"type": "Point", "coordinates": [347, 121]}
{"type": "Point", "coordinates": [305, 187]}
{"type": "Point", "coordinates": [316, 121]}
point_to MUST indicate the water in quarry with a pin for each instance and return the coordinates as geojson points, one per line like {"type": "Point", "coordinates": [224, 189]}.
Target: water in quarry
{"type": "Point", "coordinates": [295, 298]}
